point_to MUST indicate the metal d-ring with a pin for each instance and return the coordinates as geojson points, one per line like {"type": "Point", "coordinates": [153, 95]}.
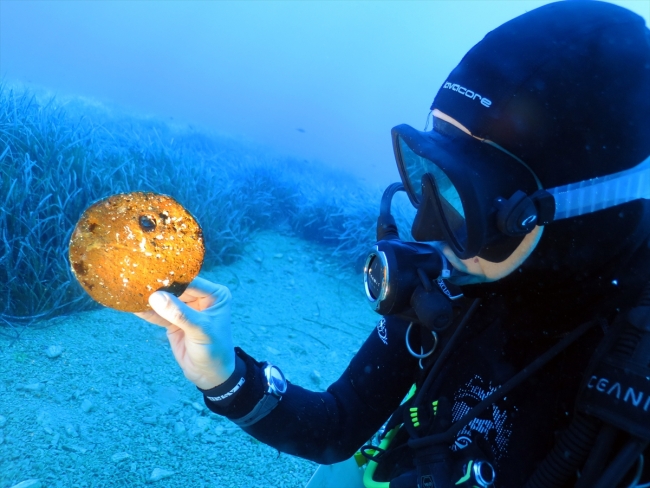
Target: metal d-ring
{"type": "Point", "coordinates": [423, 355]}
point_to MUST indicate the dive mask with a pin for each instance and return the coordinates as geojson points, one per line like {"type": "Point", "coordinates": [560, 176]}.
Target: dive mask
{"type": "Point", "coordinates": [482, 200]}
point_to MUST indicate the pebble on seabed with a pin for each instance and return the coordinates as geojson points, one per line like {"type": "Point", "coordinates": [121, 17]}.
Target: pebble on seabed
{"type": "Point", "coordinates": [120, 456]}
{"type": "Point", "coordinates": [86, 406]}
{"type": "Point", "coordinates": [315, 376]}
{"type": "Point", "coordinates": [159, 474]}
{"type": "Point", "coordinates": [54, 351]}
{"type": "Point", "coordinates": [28, 484]}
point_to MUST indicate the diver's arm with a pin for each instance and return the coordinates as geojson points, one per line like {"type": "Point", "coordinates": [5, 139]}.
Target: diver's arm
{"type": "Point", "coordinates": [324, 427]}
{"type": "Point", "coordinates": [327, 427]}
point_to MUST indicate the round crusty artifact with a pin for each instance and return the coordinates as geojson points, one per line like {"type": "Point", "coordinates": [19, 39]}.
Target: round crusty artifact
{"type": "Point", "coordinates": [129, 245]}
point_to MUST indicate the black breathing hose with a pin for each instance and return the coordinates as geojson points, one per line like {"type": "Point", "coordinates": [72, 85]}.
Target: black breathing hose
{"type": "Point", "coordinates": [448, 349]}
{"type": "Point", "coordinates": [597, 459]}
{"type": "Point", "coordinates": [387, 197]}
{"type": "Point", "coordinates": [386, 226]}
{"type": "Point", "coordinates": [589, 440]}
{"type": "Point", "coordinates": [568, 454]}
{"type": "Point", "coordinates": [622, 463]}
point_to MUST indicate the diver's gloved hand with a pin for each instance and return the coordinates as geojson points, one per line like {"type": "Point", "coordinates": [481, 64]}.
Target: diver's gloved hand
{"type": "Point", "coordinates": [198, 329]}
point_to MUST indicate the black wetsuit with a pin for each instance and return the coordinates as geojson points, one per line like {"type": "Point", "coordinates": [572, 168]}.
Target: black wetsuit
{"type": "Point", "coordinates": [331, 426]}
{"type": "Point", "coordinates": [519, 319]}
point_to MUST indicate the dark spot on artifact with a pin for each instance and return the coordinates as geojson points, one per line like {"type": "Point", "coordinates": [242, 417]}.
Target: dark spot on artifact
{"type": "Point", "coordinates": [79, 268]}
{"type": "Point", "coordinates": [147, 223]}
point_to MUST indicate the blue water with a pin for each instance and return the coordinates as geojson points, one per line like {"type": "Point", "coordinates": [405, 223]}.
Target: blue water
{"type": "Point", "coordinates": [316, 80]}
{"type": "Point", "coordinates": [321, 82]}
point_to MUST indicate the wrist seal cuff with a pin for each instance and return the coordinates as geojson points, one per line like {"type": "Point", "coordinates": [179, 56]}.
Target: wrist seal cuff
{"type": "Point", "coordinates": [224, 393]}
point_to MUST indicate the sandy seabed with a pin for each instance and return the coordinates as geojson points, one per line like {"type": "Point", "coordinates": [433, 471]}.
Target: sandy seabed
{"type": "Point", "coordinates": [112, 408]}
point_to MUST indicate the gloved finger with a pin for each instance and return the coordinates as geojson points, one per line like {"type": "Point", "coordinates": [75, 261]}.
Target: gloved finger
{"type": "Point", "coordinates": [202, 294]}
{"type": "Point", "coordinates": [221, 298]}
{"type": "Point", "coordinates": [153, 318]}
{"type": "Point", "coordinates": [177, 313]}
{"type": "Point", "coordinates": [199, 287]}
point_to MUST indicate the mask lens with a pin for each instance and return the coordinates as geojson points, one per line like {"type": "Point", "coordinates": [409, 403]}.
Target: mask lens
{"type": "Point", "coordinates": [447, 197]}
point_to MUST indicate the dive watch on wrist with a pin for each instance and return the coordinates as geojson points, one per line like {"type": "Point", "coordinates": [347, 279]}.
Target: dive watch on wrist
{"type": "Point", "coordinates": [276, 387]}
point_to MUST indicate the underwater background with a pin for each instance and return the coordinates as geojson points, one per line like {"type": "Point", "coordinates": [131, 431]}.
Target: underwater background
{"type": "Point", "coordinates": [270, 122]}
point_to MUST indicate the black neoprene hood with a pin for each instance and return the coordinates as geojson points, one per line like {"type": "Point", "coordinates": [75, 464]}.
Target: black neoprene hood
{"type": "Point", "coordinates": [565, 87]}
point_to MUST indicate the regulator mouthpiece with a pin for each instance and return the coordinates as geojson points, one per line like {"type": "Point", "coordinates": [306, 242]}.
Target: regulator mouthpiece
{"type": "Point", "coordinates": [407, 278]}
{"type": "Point", "coordinates": [395, 269]}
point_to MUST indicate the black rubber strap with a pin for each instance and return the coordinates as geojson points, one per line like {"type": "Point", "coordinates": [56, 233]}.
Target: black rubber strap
{"type": "Point", "coordinates": [524, 374]}
{"type": "Point", "coordinates": [261, 410]}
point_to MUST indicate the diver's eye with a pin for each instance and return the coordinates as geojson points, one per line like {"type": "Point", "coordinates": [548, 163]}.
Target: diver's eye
{"type": "Point", "coordinates": [463, 441]}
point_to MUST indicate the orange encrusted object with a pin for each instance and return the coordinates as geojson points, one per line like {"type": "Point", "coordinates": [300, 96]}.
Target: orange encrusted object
{"type": "Point", "coordinates": [129, 245]}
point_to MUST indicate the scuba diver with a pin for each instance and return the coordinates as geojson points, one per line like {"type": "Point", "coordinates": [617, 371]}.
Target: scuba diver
{"type": "Point", "coordinates": [513, 347]}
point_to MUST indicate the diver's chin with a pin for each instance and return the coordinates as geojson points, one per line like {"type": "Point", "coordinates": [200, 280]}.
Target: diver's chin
{"type": "Point", "coordinates": [459, 278]}
{"type": "Point", "coordinates": [464, 271]}
{"type": "Point", "coordinates": [477, 270]}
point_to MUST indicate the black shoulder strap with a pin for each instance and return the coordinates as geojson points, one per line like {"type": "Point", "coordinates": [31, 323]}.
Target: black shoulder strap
{"type": "Point", "coordinates": [614, 402]}
{"type": "Point", "coordinates": [524, 374]}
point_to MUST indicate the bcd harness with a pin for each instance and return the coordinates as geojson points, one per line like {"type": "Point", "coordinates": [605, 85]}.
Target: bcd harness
{"type": "Point", "coordinates": [612, 409]}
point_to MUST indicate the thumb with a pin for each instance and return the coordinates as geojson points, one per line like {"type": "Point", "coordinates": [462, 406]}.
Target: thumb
{"type": "Point", "coordinates": [175, 311]}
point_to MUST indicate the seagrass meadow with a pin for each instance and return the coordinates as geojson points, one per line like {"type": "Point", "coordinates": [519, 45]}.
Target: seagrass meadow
{"type": "Point", "coordinates": [59, 155]}
{"type": "Point", "coordinates": [92, 397]}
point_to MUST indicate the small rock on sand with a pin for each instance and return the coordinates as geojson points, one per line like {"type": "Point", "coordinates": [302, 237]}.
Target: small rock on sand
{"type": "Point", "coordinates": [28, 484]}
{"type": "Point", "coordinates": [53, 352]}
{"type": "Point", "coordinates": [158, 474]}
{"type": "Point", "coordinates": [120, 456]}
{"type": "Point", "coordinates": [315, 377]}
{"type": "Point", "coordinates": [86, 406]}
